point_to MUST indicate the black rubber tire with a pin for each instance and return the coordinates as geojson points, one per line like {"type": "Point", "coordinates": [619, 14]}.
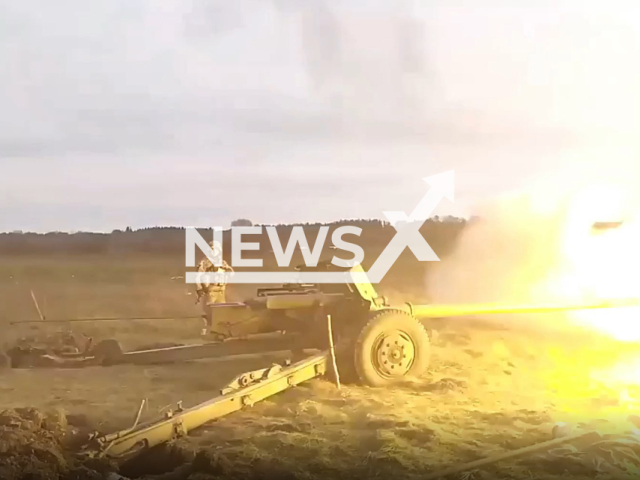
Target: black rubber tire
{"type": "Point", "coordinates": [383, 322]}
{"type": "Point", "coordinates": [107, 352]}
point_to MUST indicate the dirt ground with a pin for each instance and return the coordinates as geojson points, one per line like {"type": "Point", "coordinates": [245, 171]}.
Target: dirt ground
{"type": "Point", "coordinates": [492, 387]}
{"type": "Point", "coordinates": [489, 390]}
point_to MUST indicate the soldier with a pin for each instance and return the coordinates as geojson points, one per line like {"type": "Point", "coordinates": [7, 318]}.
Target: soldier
{"type": "Point", "coordinates": [211, 284]}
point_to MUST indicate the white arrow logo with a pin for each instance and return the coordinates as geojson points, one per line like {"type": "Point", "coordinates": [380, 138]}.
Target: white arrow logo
{"type": "Point", "coordinates": [408, 235]}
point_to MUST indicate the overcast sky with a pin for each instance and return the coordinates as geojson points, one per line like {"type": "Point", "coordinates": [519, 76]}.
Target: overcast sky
{"type": "Point", "coordinates": [118, 113]}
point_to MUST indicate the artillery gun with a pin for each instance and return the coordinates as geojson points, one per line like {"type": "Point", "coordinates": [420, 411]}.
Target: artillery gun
{"type": "Point", "coordinates": [346, 328]}
{"type": "Point", "coordinates": [376, 343]}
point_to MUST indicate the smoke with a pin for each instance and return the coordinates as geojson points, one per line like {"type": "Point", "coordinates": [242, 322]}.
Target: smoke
{"type": "Point", "coordinates": [538, 245]}
{"type": "Point", "coordinates": [505, 255]}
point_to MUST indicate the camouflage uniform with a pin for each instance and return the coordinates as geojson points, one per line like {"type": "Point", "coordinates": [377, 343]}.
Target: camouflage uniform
{"type": "Point", "coordinates": [211, 290]}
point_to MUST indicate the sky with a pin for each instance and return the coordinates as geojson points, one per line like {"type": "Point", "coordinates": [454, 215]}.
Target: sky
{"type": "Point", "coordinates": [117, 113]}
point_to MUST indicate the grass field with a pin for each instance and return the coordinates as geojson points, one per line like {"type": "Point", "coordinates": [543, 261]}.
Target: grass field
{"type": "Point", "coordinates": [491, 387]}
{"type": "Point", "coordinates": [94, 286]}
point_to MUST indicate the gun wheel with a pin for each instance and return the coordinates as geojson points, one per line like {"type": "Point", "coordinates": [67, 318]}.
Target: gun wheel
{"type": "Point", "coordinates": [391, 347]}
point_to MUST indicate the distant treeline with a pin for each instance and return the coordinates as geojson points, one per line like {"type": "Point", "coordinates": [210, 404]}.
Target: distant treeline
{"type": "Point", "coordinates": [441, 233]}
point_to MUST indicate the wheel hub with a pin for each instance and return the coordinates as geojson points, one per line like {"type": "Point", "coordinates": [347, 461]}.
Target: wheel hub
{"type": "Point", "coordinates": [394, 354]}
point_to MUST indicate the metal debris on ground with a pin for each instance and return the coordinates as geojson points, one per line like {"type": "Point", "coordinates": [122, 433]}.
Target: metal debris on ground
{"type": "Point", "coordinates": [585, 436]}
{"type": "Point", "coordinates": [48, 350]}
{"type": "Point", "coordinates": [614, 455]}
{"type": "Point", "coordinates": [585, 453]}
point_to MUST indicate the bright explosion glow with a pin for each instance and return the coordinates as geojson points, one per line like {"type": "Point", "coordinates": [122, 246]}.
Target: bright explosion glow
{"type": "Point", "coordinates": [601, 264]}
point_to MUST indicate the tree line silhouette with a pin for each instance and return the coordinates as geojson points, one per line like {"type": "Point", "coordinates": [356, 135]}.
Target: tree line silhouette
{"type": "Point", "coordinates": [441, 233]}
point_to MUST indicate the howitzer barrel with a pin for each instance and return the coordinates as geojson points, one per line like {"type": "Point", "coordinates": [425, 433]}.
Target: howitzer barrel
{"type": "Point", "coordinates": [466, 310]}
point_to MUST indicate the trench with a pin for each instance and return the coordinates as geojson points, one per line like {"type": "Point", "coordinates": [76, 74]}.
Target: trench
{"type": "Point", "coordinates": [161, 460]}
{"type": "Point", "coordinates": [171, 462]}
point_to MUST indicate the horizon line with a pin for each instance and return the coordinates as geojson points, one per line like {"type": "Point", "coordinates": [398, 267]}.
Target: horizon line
{"type": "Point", "coordinates": [176, 227]}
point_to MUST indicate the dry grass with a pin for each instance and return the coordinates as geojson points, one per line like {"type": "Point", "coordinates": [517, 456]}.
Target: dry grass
{"type": "Point", "coordinates": [490, 389]}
